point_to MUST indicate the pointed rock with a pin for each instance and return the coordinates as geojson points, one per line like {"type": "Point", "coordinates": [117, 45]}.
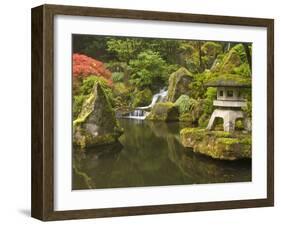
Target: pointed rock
{"type": "Point", "coordinates": [178, 84]}
{"type": "Point", "coordinates": [96, 124]}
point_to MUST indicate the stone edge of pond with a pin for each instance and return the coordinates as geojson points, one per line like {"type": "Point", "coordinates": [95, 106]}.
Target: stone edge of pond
{"type": "Point", "coordinates": [217, 144]}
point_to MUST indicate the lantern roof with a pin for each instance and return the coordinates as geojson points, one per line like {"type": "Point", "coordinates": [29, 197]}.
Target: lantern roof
{"type": "Point", "coordinates": [229, 80]}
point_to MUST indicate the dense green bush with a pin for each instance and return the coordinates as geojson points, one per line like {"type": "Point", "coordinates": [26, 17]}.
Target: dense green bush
{"type": "Point", "coordinates": [117, 76]}
{"type": "Point", "coordinates": [122, 95]}
{"type": "Point", "coordinates": [183, 104]}
{"type": "Point", "coordinates": [148, 70]}
{"type": "Point", "coordinates": [142, 98]}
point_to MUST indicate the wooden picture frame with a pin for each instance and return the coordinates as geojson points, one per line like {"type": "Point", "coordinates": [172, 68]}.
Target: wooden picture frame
{"type": "Point", "coordinates": [42, 203]}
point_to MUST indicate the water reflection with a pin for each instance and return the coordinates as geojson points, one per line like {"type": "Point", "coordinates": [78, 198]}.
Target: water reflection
{"type": "Point", "coordinates": [150, 154]}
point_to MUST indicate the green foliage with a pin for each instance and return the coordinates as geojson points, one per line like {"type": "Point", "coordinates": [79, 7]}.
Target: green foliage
{"type": "Point", "coordinates": [210, 51]}
{"type": "Point", "coordinates": [243, 70]}
{"type": "Point", "coordinates": [240, 50]}
{"type": "Point", "coordinates": [90, 82]}
{"type": "Point", "coordinates": [197, 89]}
{"type": "Point", "coordinates": [183, 104]}
{"type": "Point", "coordinates": [122, 95]}
{"type": "Point", "coordinates": [117, 76]}
{"type": "Point", "coordinates": [142, 98]}
{"type": "Point", "coordinates": [239, 124]}
{"type": "Point", "coordinates": [203, 120]}
{"type": "Point", "coordinates": [210, 96]}
{"type": "Point", "coordinates": [120, 89]}
{"type": "Point", "coordinates": [124, 48]}
{"type": "Point", "coordinates": [92, 46]}
{"type": "Point", "coordinates": [211, 48]}
{"type": "Point", "coordinates": [148, 70]}
{"type": "Point", "coordinates": [248, 108]}
{"type": "Point", "coordinates": [139, 64]}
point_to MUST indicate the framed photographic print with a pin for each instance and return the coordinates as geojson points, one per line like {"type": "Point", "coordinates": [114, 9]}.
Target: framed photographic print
{"type": "Point", "coordinates": [141, 112]}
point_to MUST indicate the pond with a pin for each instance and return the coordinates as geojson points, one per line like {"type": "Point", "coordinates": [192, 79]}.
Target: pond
{"type": "Point", "coordinates": [150, 154]}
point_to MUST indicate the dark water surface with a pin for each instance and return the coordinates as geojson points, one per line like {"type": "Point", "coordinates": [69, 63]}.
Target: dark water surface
{"type": "Point", "coordinates": [150, 154]}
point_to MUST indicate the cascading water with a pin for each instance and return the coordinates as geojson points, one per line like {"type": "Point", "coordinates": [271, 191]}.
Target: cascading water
{"type": "Point", "coordinates": [141, 112]}
{"type": "Point", "coordinates": [158, 97]}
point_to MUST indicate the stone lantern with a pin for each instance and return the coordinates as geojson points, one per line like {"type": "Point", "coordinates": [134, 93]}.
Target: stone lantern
{"type": "Point", "coordinates": [228, 104]}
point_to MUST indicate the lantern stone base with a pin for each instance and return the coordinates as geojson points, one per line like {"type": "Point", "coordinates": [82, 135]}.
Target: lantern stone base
{"type": "Point", "coordinates": [229, 117]}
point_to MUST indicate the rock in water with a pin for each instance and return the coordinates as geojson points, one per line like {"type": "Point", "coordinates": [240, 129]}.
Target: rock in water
{"type": "Point", "coordinates": [217, 144]}
{"type": "Point", "coordinates": [96, 124]}
{"type": "Point", "coordinates": [164, 111]}
{"type": "Point", "coordinates": [178, 84]}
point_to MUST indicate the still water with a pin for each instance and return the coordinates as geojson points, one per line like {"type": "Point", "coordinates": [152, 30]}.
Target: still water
{"type": "Point", "coordinates": [150, 154]}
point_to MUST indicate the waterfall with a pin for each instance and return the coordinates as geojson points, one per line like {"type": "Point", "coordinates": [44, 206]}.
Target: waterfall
{"type": "Point", "coordinates": [142, 112]}
{"type": "Point", "coordinates": [138, 114]}
{"type": "Point", "coordinates": [158, 97]}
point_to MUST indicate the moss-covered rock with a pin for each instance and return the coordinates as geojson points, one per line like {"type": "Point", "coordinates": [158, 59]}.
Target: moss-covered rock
{"type": "Point", "coordinates": [217, 144]}
{"type": "Point", "coordinates": [96, 123]}
{"type": "Point", "coordinates": [142, 98]}
{"type": "Point", "coordinates": [164, 111]}
{"type": "Point", "coordinates": [179, 84]}
{"type": "Point", "coordinates": [187, 118]}
{"type": "Point", "coordinates": [233, 62]}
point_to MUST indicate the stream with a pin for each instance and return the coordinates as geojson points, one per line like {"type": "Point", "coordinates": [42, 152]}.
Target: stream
{"type": "Point", "coordinates": [150, 154]}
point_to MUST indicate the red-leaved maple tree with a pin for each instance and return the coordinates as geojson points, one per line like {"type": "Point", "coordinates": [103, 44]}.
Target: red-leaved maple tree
{"type": "Point", "coordinates": [84, 66]}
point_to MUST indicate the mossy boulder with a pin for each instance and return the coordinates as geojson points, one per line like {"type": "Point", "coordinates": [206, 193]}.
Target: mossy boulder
{"type": "Point", "coordinates": [164, 111]}
{"type": "Point", "coordinates": [217, 144]}
{"type": "Point", "coordinates": [142, 98]}
{"type": "Point", "coordinates": [234, 62]}
{"type": "Point", "coordinates": [96, 124]}
{"type": "Point", "coordinates": [179, 84]}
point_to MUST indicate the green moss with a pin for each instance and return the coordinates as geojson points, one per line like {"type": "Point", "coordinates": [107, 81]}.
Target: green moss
{"type": "Point", "coordinates": [186, 117]}
{"type": "Point", "coordinates": [178, 84]}
{"type": "Point", "coordinates": [217, 144]}
{"type": "Point", "coordinates": [233, 78]}
{"type": "Point", "coordinates": [234, 62]}
{"type": "Point", "coordinates": [203, 120]}
{"type": "Point", "coordinates": [96, 123]}
{"type": "Point", "coordinates": [221, 134]}
{"type": "Point", "coordinates": [228, 141]}
{"type": "Point", "coordinates": [164, 111]}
